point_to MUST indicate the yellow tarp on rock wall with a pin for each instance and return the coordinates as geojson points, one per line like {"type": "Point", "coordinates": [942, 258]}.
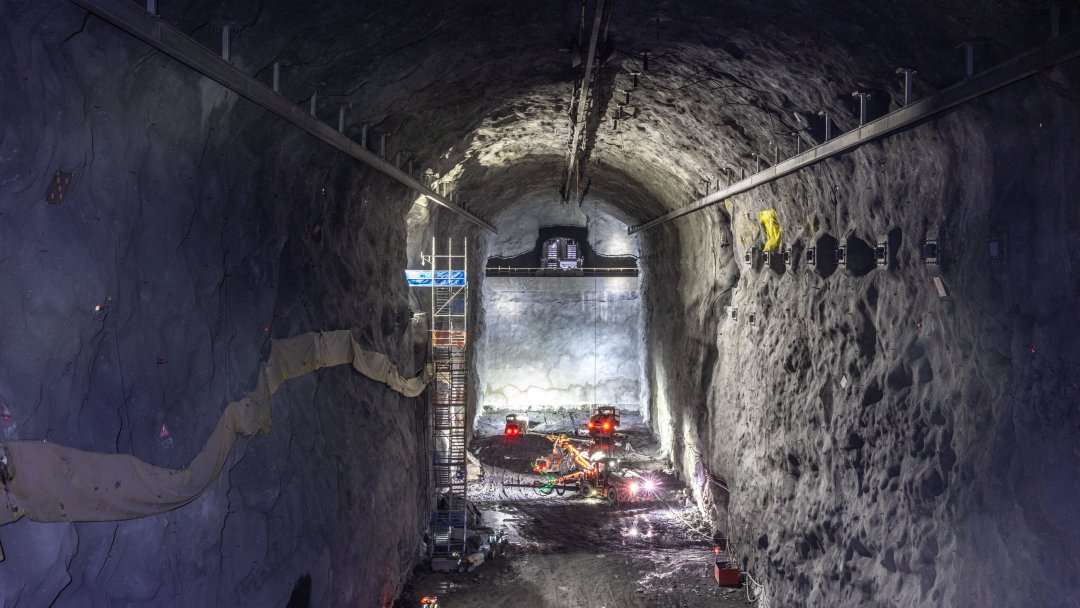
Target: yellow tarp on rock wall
{"type": "Point", "coordinates": [771, 225]}
{"type": "Point", "coordinates": [53, 483]}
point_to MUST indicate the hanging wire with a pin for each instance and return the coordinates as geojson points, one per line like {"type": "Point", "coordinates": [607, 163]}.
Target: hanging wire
{"type": "Point", "coordinates": [596, 342]}
{"type": "Point", "coordinates": [760, 597]}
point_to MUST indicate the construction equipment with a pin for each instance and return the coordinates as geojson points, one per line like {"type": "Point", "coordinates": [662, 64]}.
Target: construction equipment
{"type": "Point", "coordinates": [599, 475]}
{"type": "Point", "coordinates": [602, 426]}
{"type": "Point", "coordinates": [516, 424]}
{"type": "Point", "coordinates": [555, 462]}
{"type": "Point", "coordinates": [564, 457]}
{"type": "Point", "coordinates": [483, 545]}
{"type": "Point", "coordinates": [561, 253]}
{"type": "Point", "coordinates": [618, 485]}
{"type": "Point", "coordinates": [725, 571]}
{"type": "Point", "coordinates": [604, 422]}
{"type": "Point", "coordinates": [480, 544]}
{"type": "Point", "coordinates": [605, 479]}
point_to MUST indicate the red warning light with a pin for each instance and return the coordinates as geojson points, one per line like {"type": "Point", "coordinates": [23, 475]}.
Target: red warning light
{"type": "Point", "coordinates": [607, 426]}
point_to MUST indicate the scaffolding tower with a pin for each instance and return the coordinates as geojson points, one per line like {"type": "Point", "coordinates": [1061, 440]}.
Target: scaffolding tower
{"type": "Point", "coordinates": [449, 343]}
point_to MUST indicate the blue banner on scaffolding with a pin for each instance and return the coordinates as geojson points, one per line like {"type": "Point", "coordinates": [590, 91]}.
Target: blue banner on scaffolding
{"type": "Point", "coordinates": [437, 278]}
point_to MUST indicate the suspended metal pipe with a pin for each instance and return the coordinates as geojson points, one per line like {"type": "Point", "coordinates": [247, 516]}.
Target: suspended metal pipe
{"type": "Point", "coordinates": [1059, 50]}
{"type": "Point", "coordinates": [583, 99]}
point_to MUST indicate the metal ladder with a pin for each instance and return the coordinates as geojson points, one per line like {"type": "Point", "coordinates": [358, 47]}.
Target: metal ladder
{"type": "Point", "coordinates": [449, 405]}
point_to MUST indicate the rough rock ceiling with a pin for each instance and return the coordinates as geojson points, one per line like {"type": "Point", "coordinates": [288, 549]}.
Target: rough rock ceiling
{"type": "Point", "coordinates": [480, 91]}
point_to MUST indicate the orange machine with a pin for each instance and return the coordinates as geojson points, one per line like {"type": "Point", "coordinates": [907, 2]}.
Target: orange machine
{"type": "Point", "coordinates": [597, 476]}
{"type": "Point", "coordinates": [564, 457]}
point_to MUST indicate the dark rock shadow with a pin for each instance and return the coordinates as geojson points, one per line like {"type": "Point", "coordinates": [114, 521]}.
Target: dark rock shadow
{"type": "Point", "coordinates": [860, 256]}
{"type": "Point", "coordinates": [774, 261]}
{"type": "Point", "coordinates": [895, 239]}
{"type": "Point", "coordinates": [301, 593]}
{"type": "Point", "coordinates": [824, 256]}
{"type": "Point", "coordinates": [794, 255]}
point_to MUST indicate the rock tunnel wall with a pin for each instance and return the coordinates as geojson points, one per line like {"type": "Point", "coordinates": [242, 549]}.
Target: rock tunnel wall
{"type": "Point", "coordinates": [882, 445]}
{"type": "Point", "coordinates": [551, 343]}
{"type": "Point", "coordinates": [196, 227]}
{"type": "Point", "coordinates": [201, 225]}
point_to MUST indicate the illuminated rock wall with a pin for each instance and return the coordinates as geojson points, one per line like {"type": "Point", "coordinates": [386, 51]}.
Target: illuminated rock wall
{"type": "Point", "coordinates": [560, 343]}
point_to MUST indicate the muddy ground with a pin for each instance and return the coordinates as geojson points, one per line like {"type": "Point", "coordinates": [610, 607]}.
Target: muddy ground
{"type": "Point", "coordinates": [572, 550]}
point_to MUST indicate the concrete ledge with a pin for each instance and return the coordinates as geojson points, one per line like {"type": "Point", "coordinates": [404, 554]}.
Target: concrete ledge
{"type": "Point", "coordinates": [562, 283]}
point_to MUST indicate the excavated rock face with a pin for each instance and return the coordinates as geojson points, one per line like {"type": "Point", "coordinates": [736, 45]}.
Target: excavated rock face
{"type": "Point", "coordinates": [879, 444]}
{"type": "Point", "coordinates": [195, 229]}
